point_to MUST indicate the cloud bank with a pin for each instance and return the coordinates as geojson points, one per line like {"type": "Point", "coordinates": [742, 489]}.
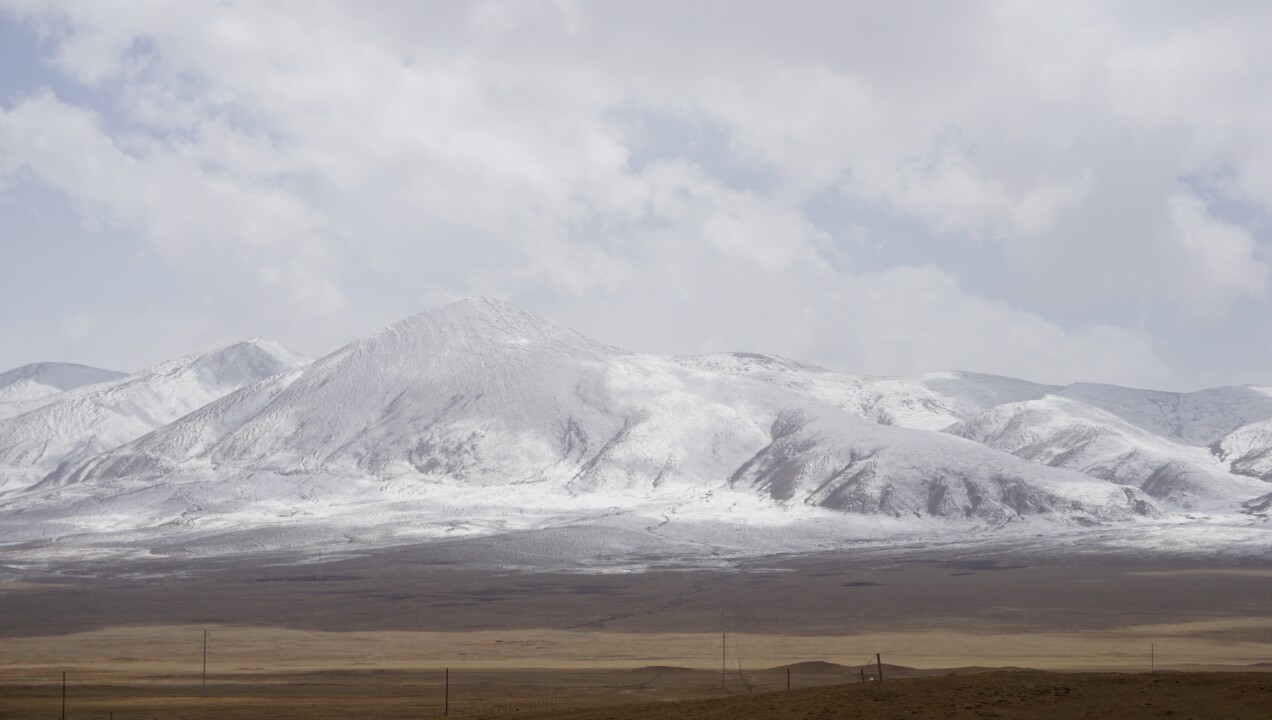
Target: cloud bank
{"type": "Point", "coordinates": [1064, 193]}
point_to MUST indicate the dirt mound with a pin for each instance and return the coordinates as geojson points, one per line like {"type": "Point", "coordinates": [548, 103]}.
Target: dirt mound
{"type": "Point", "coordinates": [663, 669]}
{"type": "Point", "coordinates": [816, 667]}
{"type": "Point", "coordinates": [1019, 695]}
{"type": "Point", "coordinates": [822, 667]}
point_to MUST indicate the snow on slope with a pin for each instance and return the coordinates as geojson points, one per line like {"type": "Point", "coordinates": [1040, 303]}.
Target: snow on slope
{"type": "Point", "coordinates": [182, 440]}
{"type": "Point", "coordinates": [1063, 432]}
{"type": "Point", "coordinates": [25, 388]}
{"type": "Point", "coordinates": [1172, 432]}
{"type": "Point", "coordinates": [927, 402]}
{"type": "Point", "coordinates": [480, 418]}
{"type": "Point", "coordinates": [1248, 450]}
{"type": "Point", "coordinates": [1198, 418]}
{"type": "Point", "coordinates": [848, 464]}
{"type": "Point", "coordinates": [92, 419]}
{"type": "Point", "coordinates": [479, 415]}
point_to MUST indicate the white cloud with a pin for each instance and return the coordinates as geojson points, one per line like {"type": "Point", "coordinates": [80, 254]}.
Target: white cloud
{"type": "Point", "coordinates": [688, 289]}
{"type": "Point", "coordinates": [250, 242]}
{"type": "Point", "coordinates": [1218, 259]}
{"type": "Point", "coordinates": [78, 325]}
{"type": "Point", "coordinates": [919, 318]}
{"type": "Point", "coordinates": [1036, 212]}
{"type": "Point", "coordinates": [316, 164]}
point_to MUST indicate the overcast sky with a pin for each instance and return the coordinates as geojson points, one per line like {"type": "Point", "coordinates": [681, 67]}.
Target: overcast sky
{"type": "Point", "coordinates": [1056, 191]}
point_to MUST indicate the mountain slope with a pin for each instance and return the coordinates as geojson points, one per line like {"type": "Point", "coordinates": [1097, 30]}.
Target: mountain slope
{"type": "Point", "coordinates": [1248, 450]}
{"type": "Point", "coordinates": [1062, 432]}
{"type": "Point", "coordinates": [926, 402]}
{"type": "Point", "coordinates": [479, 418]}
{"type": "Point", "coordinates": [1198, 418]}
{"type": "Point", "coordinates": [846, 464]}
{"type": "Point", "coordinates": [480, 413]}
{"type": "Point", "coordinates": [89, 420]}
{"type": "Point", "coordinates": [25, 388]}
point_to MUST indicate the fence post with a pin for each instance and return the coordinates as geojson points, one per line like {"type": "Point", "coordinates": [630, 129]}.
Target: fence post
{"type": "Point", "coordinates": [724, 642]}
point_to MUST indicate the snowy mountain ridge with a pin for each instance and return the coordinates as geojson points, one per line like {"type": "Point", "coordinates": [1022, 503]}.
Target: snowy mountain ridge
{"type": "Point", "coordinates": [86, 420]}
{"type": "Point", "coordinates": [25, 388]}
{"type": "Point", "coordinates": [479, 417]}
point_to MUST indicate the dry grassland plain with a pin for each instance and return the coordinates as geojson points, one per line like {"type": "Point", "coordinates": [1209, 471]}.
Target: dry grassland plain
{"type": "Point", "coordinates": [378, 631]}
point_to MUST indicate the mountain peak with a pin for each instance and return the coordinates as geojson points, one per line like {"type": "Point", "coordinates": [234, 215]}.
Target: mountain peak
{"type": "Point", "coordinates": [475, 321]}
{"type": "Point", "coordinates": [238, 363]}
{"type": "Point", "coordinates": [58, 376]}
{"type": "Point", "coordinates": [92, 419]}
{"type": "Point", "coordinates": [480, 308]}
{"type": "Point", "coordinates": [480, 415]}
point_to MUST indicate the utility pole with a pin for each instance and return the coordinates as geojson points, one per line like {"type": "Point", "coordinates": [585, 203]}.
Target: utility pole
{"type": "Point", "coordinates": [788, 678]}
{"type": "Point", "coordinates": [879, 663]}
{"type": "Point", "coordinates": [446, 706]}
{"type": "Point", "coordinates": [723, 657]}
{"type": "Point", "coordinates": [205, 663]}
{"type": "Point", "coordinates": [1152, 657]}
{"type": "Point", "coordinates": [63, 695]}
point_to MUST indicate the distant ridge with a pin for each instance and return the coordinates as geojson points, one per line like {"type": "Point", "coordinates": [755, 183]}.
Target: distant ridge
{"type": "Point", "coordinates": [479, 417]}
{"type": "Point", "coordinates": [25, 388]}
{"type": "Point", "coordinates": [55, 376]}
{"type": "Point", "coordinates": [90, 419]}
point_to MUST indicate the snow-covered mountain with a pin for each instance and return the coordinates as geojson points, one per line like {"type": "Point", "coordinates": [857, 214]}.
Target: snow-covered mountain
{"type": "Point", "coordinates": [1199, 418]}
{"type": "Point", "coordinates": [90, 419]}
{"type": "Point", "coordinates": [483, 393]}
{"type": "Point", "coordinates": [927, 402]}
{"type": "Point", "coordinates": [1059, 431]}
{"type": "Point", "coordinates": [480, 417]}
{"type": "Point", "coordinates": [25, 388]}
{"type": "Point", "coordinates": [1248, 450]}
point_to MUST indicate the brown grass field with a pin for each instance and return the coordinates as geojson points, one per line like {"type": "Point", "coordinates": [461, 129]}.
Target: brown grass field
{"type": "Point", "coordinates": [652, 693]}
{"type": "Point", "coordinates": [373, 635]}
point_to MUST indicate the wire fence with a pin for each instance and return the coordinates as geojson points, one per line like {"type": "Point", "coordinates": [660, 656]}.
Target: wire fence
{"type": "Point", "coordinates": [464, 693]}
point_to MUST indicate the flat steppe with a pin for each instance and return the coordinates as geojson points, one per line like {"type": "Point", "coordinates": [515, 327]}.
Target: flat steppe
{"type": "Point", "coordinates": [372, 634]}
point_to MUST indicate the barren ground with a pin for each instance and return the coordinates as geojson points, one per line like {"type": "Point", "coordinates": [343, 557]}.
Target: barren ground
{"type": "Point", "coordinates": [371, 635]}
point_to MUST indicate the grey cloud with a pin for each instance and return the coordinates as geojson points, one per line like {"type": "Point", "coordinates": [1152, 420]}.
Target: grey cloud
{"type": "Point", "coordinates": [340, 161]}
